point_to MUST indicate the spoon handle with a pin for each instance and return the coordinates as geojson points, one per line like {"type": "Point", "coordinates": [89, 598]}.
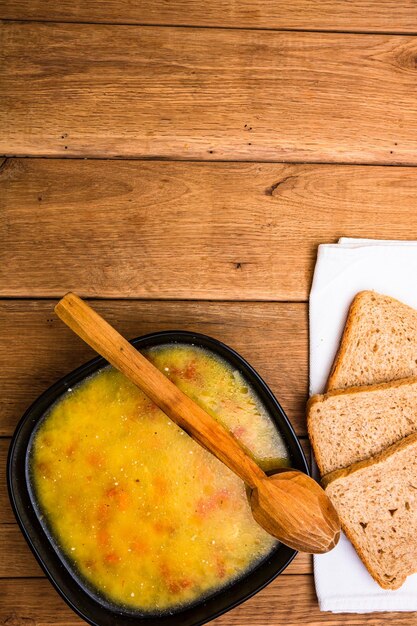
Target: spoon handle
{"type": "Point", "coordinates": [105, 340]}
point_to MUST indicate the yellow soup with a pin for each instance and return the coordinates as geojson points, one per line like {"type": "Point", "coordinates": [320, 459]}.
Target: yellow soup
{"type": "Point", "coordinates": [149, 518]}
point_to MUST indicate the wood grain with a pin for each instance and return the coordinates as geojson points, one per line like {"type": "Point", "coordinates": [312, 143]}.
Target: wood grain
{"type": "Point", "coordinates": [333, 15]}
{"type": "Point", "coordinates": [36, 348]}
{"type": "Point", "coordinates": [16, 561]}
{"type": "Point", "coordinates": [289, 601]}
{"type": "Point", "coordinates": [233, 231]}
{"type": "Point", "coordinates": [185, 93]}
{"type": "Point", "coordinates": [6, 514]}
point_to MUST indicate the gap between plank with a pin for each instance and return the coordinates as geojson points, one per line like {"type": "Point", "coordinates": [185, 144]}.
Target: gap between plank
{"type": "Point", "coordinates": [144, 299]}
{"type": "Point", "coordinates": [162, 159]}
{"type": "Point", "coordinates": [253, 28]}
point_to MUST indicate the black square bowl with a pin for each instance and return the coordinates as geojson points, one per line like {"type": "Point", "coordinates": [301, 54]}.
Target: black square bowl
{"type": "Point", "coordinates": [62, 574]}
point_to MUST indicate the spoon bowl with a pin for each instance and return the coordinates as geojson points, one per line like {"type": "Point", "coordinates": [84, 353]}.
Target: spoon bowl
{"type": "Point", "coordinates": [294, 508]}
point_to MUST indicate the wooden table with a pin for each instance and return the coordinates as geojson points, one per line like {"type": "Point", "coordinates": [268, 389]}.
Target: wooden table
{"type": "Point", "coordinates": [179, 162]}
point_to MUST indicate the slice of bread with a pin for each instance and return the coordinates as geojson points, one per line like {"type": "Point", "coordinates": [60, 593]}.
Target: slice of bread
{"type": "Point", "coordinates": [379, 343]}
{"type": "Point", "coordinates": [352, 424]}
{"type": "Point", "coordinates": [377, 504]}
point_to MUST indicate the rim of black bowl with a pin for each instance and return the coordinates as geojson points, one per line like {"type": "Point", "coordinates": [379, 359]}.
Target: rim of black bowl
{"type": "Point", "coordinates": [77, 595]}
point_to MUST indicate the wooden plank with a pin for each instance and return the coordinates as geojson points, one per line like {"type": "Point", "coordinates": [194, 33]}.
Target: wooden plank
{"type": "Point", "coordinates": [184, 93]}
{"type": "Point", "coordinates": [36, 348]}
{"type": "Point", "coordinates": [17, 560]}
{"type": "Point", "coordinates": [333, 15]}
{"type": "Point", "coordinates": [234, 231]}
{"type": "Point", "coordinates": [6, 515]}
{"type": "Point", "coordinates": [288, 601]}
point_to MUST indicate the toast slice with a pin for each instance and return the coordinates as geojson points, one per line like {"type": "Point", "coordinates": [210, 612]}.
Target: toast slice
{"type": "Point", "coordinates": [348, 425]}
{"type": "Point", "coordinates": [379, 343]}
{"type": "Point", "coordinates": [377, 504]}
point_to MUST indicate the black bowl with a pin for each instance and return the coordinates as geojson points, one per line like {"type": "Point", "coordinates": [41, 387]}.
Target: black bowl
{"type": "Point", "coordinates": [54, 563]}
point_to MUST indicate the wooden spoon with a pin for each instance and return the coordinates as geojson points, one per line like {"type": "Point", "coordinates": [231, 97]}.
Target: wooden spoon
{"type": "Point", "coordinates": [289, 505]}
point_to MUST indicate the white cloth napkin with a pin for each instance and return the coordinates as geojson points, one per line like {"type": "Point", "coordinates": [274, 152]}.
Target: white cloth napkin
{"type": "Point", "coordinates": [343, 584]}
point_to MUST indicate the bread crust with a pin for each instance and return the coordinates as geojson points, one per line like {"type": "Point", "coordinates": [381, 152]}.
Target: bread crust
{"type": "Point", "coordinates": [355, 467]}
{"type": "Point", "coordinates": [346, 337]}
{"type": "Point", "coordinates": [320, 398]}
{"type": "Point", "coordinates": [365, 463]}
{"type": "Point", "coordinates": [317, 399]}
